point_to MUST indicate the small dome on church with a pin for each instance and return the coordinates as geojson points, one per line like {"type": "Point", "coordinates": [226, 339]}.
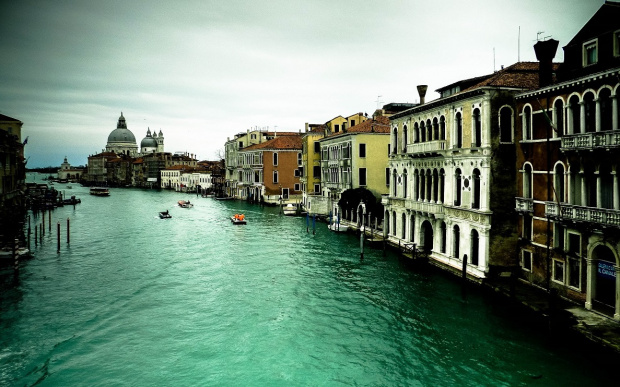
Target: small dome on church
{"type": "Point", "coordinates": [148, 141]}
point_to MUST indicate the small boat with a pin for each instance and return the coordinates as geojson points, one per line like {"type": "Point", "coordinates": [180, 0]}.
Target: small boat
{"type": "Point", "coordinates": [238, 219]}
{"type": "Point", "coordinates": [185, 204]}
{"type": "Point", "coordinates": [289, 209]}
{"type": "Point", "coordinates": [224, 198]}
{"type": "Point", "coordinates": [99, 191]}
{"type": "Point", "coordinates": [337, 227]}
{"type": "Point", "coordinates": [165, 215]}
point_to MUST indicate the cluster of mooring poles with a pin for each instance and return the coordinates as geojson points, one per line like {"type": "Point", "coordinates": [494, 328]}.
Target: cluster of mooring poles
{"type": "Point", "coordinates": [39, 233]}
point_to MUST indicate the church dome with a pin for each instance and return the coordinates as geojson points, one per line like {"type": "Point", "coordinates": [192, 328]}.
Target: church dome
{"type": "Point", "coordinates": [121, 133]}
{"type": "Point", "coordinates": [148, 141]}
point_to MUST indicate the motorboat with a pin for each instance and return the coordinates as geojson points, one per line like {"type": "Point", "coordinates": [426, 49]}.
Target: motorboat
{"type": "Point", "coordinates": [165, 215]}
{"type": "Point", "coordinates": [238, 219]}
{"type": "Point", "coordinates": [99, 191]}
{"type": "Point", "coordinates": [289, 209]}
{"type": "Point", "coordinates": [337, 227]}
{"type": "Point", "coordinates": [185, 204]}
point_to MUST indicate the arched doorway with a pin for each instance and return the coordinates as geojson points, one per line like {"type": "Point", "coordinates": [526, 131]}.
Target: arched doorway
{"type": "Point", "coordinates": [426, 238]}
{"type": "Point", "coordinates": [605, 279]}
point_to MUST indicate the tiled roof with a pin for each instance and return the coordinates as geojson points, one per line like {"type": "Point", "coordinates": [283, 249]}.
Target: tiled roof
{"type": "Point", "coordinates": [380, 124]}
{"type": "Point", "coordinates": [7, 118]}
{"type": "Point", "coordinates": [523, 75]}
{"type": "Point", "coordinates": [284, 142]}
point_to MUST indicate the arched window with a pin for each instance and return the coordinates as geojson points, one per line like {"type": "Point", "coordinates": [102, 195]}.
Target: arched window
{"type": "Point", "coordinates": [605, 194]}
{"type": "Point", "coordinates": [422, 185]}
{"type": "Point", "coordinates": [442, 185]}
{"type": "Point", "coordinates": [405, 139]}
{"type": "Point", "coordinates": [527, 181]}
{"type": "Point", "coordinates": [395, 139]}
{"type": "Point", "coordinates": [590, 111]}
{"type": "Point", "coordinates": [436, 129]}
{"type": "Point", "coordinates": [558, 117]}
{"type": "Point", "coordinates": [505, 124]}
{"type": "Point", "coordinates": [435, 179]}
{"type": "Point", "coordinates": [416, 133]}
{"type": "Point", "coordinates": [456, 241]}
{"type": "Point", "coordinates": [405, 184]}
{"type": "Point", "coordinates": [457, 187]}
{"type": "Point", "coordinates": [527, 123]}
{"type": "Point", "coordinates": [386, 223]}
{"type": "Point", "coordinates": [477, 124]}
{"type": "Point", "coordinates": [442, 246]}
{"type": "Point", "coordinates": [475, 247]}
{"type": "Point", "coordinates": [412, 228]}
{"type": "Point", "coordinates": [574, 115]}
{"type": "Point", "coordinates": [558, 183]}
{"type": "Point", "coordinates": [476, 188]}
{"type": "Point", "coordinates": [606, 109]}
{"type": "Point", "coordinates": [394, 223]}
{"type": "Point", "coordinates": [458, 127]}
{"type": "Point", "coordinates": [404, 228]}
{"type": "Point", "coordinates": [429, 131]}
{"type": "Point", "coordinates": [394, 183]}
{"type": "Point", "coordinates": [416, 185]}
{"type": "Point", "coordinates": [423, 131]}
{"type": "Point", "coordinates": [442, 127]}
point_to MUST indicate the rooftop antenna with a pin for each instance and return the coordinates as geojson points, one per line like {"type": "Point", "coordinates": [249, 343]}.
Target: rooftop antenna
{"type": "Point", "coordinates": [519, 45]}
{"type": "Point", "coordinates": [378, 101]}
{"type": "Point", "coordinates": [493, 59]}
{"type": "Point", "coordinates": [538, 34]}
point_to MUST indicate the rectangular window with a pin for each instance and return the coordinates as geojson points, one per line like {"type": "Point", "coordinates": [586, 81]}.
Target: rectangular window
{"type": "Point", "coordinates": [387, 177]}
{"type": "Point", "coordinates": [296, 186]}
{"type": "Point", "coordinates": [526, 260]}
{"type": "Point", "coordinates": [275, 159]}
{"type": "Point", "coordinates": [362, 150]}
{"type": "Point", "coordinates": [298, 158]}
{"type": "Point", "coordinates": [317, 147]}
{"type": "Point", "coordinates": [558, 236]}
{"type": "Point", "coordinates": [574, 244]}
{"type": "Point", "coordinates": [316, 171]}
{"type": "Point", "coordinates": [574, 272]}
{"type": "Point", "coordinates": [275, 176]}
{"type": "Point", "coordinates": [558, 271]}
{"type": "Point", "coordinates": [297, 172]}
{"type": "Point", "coordinates": [362, 176]}
{"type": "Point", "coordinates": [317, 188]}
{"type": "Point", "coordinates": [284, 193]}
{"type": "Point", "coordinates": [352, 122]}
{"type": "Point", "coordinates": [240, 144]}
{"type": "Point", "coordinates": [389, 148]}
{"type": "Point", "coordinates": [336, 128]}
{"type": "Point", "coordinates": [590, 53]}
{"type": "Point", "coordinates": [527, 227]}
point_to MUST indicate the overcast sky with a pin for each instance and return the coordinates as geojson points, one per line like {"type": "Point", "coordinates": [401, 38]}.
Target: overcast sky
{"type": "Point", "coordinates": [202, 71]}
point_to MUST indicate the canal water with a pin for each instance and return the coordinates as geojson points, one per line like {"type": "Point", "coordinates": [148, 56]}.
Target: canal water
{"type": "Point", "coordinates": [135, 300]}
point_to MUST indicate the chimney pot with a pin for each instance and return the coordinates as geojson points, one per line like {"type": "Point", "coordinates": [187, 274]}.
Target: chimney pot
{"type": "Point", "coordinates": [422, 92]}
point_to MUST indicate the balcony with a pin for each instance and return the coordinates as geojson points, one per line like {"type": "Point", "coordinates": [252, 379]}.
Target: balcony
{"type": "Point", "coordinates": [429, 147]}
{"type": "Point", "coordinates": [590, 141]}
{"type": "Point", "coordinates": [598, 216]}
{"type": "Point", "coordinates": [524, 205]}
{"type": "Point", "coordinates": [414, 205]}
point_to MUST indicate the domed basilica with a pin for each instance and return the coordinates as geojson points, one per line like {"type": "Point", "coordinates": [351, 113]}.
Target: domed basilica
{"type": "Point", "coordinates": [122, 141]}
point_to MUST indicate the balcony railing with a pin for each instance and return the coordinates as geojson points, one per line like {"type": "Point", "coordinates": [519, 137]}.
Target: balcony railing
{"type": "Point", "coordinates": [600, 216]}
{"type": "Point", "coordinates": [426, 147]}
{"type": "Point", "coordinates": [414, 205]}
{"type": "Point", "coordinates": [589, 141]}
{"type": "Point", "coordinates": [525, 205]}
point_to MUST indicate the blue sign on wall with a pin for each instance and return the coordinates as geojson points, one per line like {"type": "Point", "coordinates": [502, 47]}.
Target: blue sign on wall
{"type": "Point", "coordinates": [606, 269]}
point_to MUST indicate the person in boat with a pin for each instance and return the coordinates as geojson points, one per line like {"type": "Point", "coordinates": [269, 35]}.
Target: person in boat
{"type": "Point", "coordinates": [241, 217]}
{"type": "Point", "coordinates": [236, 216]}
{"type": "Point", "coordinates": [165, 212]}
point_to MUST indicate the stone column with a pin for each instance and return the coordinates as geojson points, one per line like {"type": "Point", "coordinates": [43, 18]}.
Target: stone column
{"type": "Point", "coordinates": [590, 282]}
{"type": "Point", "coordinates": [483, 250]}
{"type": "Point", "coordinates": [616, 189]}
{"type": "Point", "coordinates": [599, 195]}
{"type": "Point", "coordinates": [433, 182]}
{"type": "Point", "coordinates": [598, 115]}
{"type": "Point", "coordinates": [583, 188]}
{"type": "Point", "coordinates": [582, 117]}
{"type": "Point", "coordinates": [614, 114]}
{"type": "Point", "coordinates": [617, 303]}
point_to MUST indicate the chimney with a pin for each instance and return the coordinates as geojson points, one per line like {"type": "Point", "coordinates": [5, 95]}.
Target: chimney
{"type": "Point", "coordinates": [307, 127]}
{"type": "Point", "coordinates": [422, 91]}
{"type": "Point", "coordinates": [545, 52]}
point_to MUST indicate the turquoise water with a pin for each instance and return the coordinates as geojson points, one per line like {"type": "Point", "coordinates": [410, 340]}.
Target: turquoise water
{"type": "Point", "coordinates": [135, 300]}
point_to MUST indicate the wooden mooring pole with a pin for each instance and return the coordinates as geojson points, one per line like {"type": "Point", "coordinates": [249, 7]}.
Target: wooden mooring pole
{"type": "Point", "coordinates": [58, 237]}
{"type": "Point", "coordinates": [68, 233]}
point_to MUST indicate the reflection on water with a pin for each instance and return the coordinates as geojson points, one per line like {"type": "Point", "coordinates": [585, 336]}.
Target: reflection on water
{"type": "Point", "coordinates": [195, 300]}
